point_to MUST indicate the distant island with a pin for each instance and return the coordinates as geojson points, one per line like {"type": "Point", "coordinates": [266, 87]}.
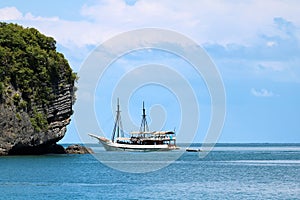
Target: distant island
{"type": "Point", "coordinates": [36, 92]}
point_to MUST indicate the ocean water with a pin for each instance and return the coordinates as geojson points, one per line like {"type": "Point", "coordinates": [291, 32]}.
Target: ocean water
{"type": "Point", "coordinates": [230, 171]}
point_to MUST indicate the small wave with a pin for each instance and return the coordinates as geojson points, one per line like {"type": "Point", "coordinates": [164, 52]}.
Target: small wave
{"type": "Point", "coordinates": [265, 162]}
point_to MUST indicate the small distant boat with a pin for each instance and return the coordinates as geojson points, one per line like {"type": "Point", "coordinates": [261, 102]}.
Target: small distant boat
{"type": "Point", "coordinates": [193, 150]}
{"type": "Point", "coordinates": [142, 140]}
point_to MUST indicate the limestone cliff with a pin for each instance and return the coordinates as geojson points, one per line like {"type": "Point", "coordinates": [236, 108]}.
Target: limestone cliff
{"type": "Point", "coordinates": [36, 92]}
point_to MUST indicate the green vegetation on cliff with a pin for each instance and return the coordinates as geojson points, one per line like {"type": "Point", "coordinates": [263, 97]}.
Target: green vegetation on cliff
{"type": "Point", "coordinates": [32, 72]}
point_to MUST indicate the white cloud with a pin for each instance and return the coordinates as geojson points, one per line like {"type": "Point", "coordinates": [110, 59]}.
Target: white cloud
{"type": "Point", "coordinates": [10, 13]}
{"type": "Point", "coordinates": [205, 21]}
{"type": "Point", "coordinates": [225, 23]}
{"type": "Point", "coordinates": [271, 66]}
{"type": "Point", "coordinates": [30, 17]}
{"type": "Point", "coordinates": [271, 43]}
{"type": "Point", "coordinates": [262, 93]}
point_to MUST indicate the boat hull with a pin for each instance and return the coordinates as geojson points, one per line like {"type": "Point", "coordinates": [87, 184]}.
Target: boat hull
{"type": "Point", "coordinates": [113, 146]}
{"type": "Point", "coordinates": [192, 150]}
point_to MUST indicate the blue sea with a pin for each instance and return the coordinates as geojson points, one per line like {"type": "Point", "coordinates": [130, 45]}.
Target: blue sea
{"type": "Point", "coordinates": [230, 171]}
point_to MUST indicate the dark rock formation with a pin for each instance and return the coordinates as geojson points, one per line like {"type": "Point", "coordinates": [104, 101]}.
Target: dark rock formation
{"type": "Point", "coordinates": [18, 136]}
{"type": "Point", "coordinates": [37, 150]}
{"type": "Point", "coordinates": [36, 92]}
{"type": "Point", "coordinates": [78, 149]}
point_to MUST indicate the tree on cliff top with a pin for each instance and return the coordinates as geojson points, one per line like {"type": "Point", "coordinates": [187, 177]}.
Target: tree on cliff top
{"type": "Point", "coordinates": [31, 70]}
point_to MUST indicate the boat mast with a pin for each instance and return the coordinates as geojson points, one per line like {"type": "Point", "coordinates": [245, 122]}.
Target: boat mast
{"type": "Point", "coordinates": [118, 128]}
{"type": "Point", "coordinates": [144, 125]}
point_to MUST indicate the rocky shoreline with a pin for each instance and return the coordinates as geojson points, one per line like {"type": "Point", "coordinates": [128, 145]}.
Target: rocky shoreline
{"type": "Point", "coordinates": [51, 149]}
{"type": "Point", "coordinates": [78, 149]}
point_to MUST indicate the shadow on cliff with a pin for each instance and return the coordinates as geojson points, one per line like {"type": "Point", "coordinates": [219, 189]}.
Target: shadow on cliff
{"type": "Point", "coordinates": [37, 150]}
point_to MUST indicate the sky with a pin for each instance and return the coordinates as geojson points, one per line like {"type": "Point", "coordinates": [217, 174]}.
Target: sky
{"type": "Point", "coordinates": [254, 45]}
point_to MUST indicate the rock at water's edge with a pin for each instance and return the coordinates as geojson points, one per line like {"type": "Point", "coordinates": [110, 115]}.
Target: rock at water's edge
{"type": "Point", "coordinates": [78, 149]}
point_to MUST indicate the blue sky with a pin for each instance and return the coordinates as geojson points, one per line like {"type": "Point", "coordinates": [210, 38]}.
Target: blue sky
{"type": "Point", "coordinates": [254, 44]}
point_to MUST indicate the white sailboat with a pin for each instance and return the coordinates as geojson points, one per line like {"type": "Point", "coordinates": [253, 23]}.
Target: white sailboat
{"type": "Point", "coordinates": [142, 140]}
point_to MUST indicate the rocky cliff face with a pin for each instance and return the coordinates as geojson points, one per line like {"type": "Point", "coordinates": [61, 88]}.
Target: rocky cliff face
{"type": "Point", "coordinates": [36, 92]}
{"type": "Point", "coordinates": [17, 134]}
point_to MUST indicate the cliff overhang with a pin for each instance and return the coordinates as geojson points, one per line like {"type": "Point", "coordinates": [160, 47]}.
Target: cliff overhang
{"type": "Point", "coordinates": [36, 92]}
